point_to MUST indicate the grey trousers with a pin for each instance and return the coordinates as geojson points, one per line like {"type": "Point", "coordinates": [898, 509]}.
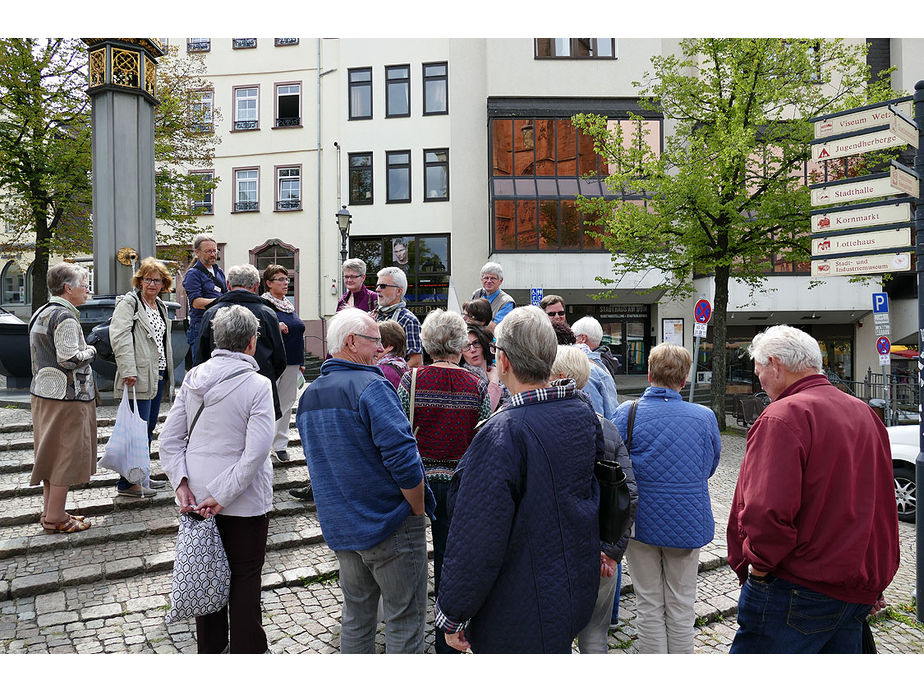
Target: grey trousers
{"type": "Point", "coordinates": [396, 569]}
{"type": "Point", "coordinates": [593, 638]}
{"type": "Point", "coordinates": [287, 387]}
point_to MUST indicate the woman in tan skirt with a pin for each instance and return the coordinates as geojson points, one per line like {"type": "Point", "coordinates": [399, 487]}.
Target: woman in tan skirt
{"type": "Point", "coordinates": [63, 397]}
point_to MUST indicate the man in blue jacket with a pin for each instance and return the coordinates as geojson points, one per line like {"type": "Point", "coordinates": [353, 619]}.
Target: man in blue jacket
{"type": "Point", "coordinates": [203, 282]}
{"type": "Point", "coordinates": [369, 487]}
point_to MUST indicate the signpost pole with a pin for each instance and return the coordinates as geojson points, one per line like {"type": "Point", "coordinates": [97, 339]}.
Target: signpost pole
{"type": "Point", "coordinates": [919, 229]}
{"type": "Point", "coordinates": [886, 395]}
{"type": "Point", "coordinates": [695, 360]}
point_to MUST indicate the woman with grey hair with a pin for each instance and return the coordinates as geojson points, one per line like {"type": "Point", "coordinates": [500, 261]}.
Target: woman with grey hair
{"type": "Point", "coordinates": [524, 495]}
{"type": "Point", "coordinates": [63, 397]}
{"type": "Point", "coordinates": [444, 402]}
{"type": "Point", "coordinates": [357, 295]}
{"type": "Point", "coordinates": [215, 448]}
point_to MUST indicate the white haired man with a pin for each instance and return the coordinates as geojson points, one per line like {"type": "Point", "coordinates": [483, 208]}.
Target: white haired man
{"type": "Point", "coordinates": [391, 289]}
{"type": "Point", "coordinates": [813, 515]}
{"type": "Point", "coordinates": [369, 487]}
{"type": "Point", "coordinates": [588, 333]}
{"type": "Point", "coordinates": [492, 276]}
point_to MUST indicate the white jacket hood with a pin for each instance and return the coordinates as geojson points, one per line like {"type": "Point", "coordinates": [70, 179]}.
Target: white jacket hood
{"type": "Point", "coordinates": [206, 382]}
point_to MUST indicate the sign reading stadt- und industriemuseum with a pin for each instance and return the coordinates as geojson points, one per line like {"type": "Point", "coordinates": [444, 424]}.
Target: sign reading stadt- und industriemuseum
{"type": "Point", "coordinates": [899, 180]}
{"type": "Point", "coordinates": [861, 242]}
{"type": "Point", "coordinates": [861, 215]}
{"type": "Point", "coordinates": [862, 264]}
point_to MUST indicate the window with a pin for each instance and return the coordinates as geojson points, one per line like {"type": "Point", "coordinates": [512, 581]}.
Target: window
{"type": "Point", "coordinates": [246, 190]}
{"type": "Point", "coordinates": [243, 43]}
{"type": "Point", "coordinates": [288, 188]}
{"type": "Point", "coordinates": [360, 80]}
{"type": "Point", "coordinates": [435, 88]}
{"type": "Point", "coordinates": [198, 45]}
{"type": "Point", "coordinates": [275, 252]}
{"type": "Point", "coordinates": [398, 91]}
{"type": "Point", "coordinates": [203, 202]}
{"type": "Point", "coordinates": [288, 105]}
{"type": "Point", "coordinates": [286, 41]}
{"type": "Point", "coordinates": [436, 175]}
{"type": "Point", "coordinates": [245, 108]}
{"type": "Point", "coordinates": [398, 176]}
{"type": "Point", "coordinates": [576, 48]}
{"type": "Point", "coordinates": [13, 284]}
{"type": "Point", "coordinates": [361, 178]}
{"type": "Point", "coordinates": [200, 111]}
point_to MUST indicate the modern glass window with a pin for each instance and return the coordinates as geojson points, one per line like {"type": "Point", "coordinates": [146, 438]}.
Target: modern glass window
{"type": "Point", "coordinates": [198, 45]}
{"type": "Point", "coordinates": [288, 105]}
{"type": "Point", "coordinates": [436, 175]}
{"type": "Point", "coordinates": [538, 168]}
{"type": "Point", "coordinates": [246, 100]}
{"type": "Point", "coordinates": [576, 48]}
{"type": "Point", "coordinates": [397, 91]}
{"type": "Point", "coordinates": [204, 203]}
{"type": "Point", "coordinates": [360, 81]}
{"type": "Point", "coordinates": [435, 88]}
{"type": "Point", "coordinates": [243, 43]}
{"type": "Point", "coordinates": [201, 112]}
{"type": "Point", "coordinates": [246, 190]}
{"type": "Point", "coordinates": [360, 173]}
{"type": "Point", "coordinates": [288, 188]}
{"type": "Point", "coordinates": [398, 176]}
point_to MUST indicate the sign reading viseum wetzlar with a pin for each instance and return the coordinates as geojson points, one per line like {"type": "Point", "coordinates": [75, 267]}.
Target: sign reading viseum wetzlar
{"type": "Point", "coordinates": [895, 131]}
{"type": "Point", "coordinates": [860, 118]}
{"type": "Point", "coordinates": [899, 180]}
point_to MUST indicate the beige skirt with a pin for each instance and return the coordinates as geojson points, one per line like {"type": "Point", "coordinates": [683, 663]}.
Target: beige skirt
{"type": "Point", "coordinates": [65, 441]}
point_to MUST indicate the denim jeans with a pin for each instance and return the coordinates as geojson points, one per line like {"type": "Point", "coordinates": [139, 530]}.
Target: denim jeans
{"type": "Point", "coordinates": [396, 569]}
{"type": "Point", "coordinates": [149, 410]}
{"type": "Point", "coordinates": [439, 528]}
{"type": "Point", "coordinates": [779, 617]}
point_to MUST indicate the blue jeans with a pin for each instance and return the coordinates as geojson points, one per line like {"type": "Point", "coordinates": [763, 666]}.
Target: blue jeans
{"type": "Point", "coordinates": [149, 410]}
{"type": "Point", "coordinates": [396, 569]}
{"type": "Point", "coordinates": [778, 617]}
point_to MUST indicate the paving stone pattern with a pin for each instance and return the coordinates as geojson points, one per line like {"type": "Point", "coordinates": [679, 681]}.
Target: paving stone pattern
{"type": "Point", "coordinates": [107, 589]}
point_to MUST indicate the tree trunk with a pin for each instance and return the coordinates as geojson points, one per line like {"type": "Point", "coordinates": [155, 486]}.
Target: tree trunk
{"type": "Point", "coordinates": [40, 265]}
{"type": "Point", "coordinates": [719, 344]}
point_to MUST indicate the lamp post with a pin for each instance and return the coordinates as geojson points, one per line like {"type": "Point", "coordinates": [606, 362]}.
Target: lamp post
{"type": "Point", "coordinates": [344, 219]}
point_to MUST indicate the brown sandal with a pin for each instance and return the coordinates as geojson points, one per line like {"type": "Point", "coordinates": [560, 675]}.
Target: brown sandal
{"type": "Point", "coordinates": [69, 526]}
{"type": "Point", "coordinates": [76, 517]}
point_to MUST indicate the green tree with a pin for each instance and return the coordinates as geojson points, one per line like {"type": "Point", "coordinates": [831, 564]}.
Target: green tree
{"type": "Point", "coordinates": [45, 151]}
{"type": "Point", "coordinates": [722, 198]}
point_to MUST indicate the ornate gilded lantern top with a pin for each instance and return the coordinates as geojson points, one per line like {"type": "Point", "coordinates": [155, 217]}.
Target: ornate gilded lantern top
{"type": "Point", "coordinates": [124, 64]}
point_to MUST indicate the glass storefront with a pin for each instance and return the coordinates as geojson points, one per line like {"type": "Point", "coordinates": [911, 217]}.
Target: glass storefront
{"type": "Point", "coordinates": [625, 330]}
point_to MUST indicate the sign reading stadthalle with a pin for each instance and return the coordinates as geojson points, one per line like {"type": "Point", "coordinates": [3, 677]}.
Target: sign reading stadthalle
{"type": "Point", "coordinates": [866, 241]}
{"type": "Point", "coordinates": [862, 264]}
{"type": "Point", "coordinates": [862, 215]}
{"type": "Point", "coordinates": [899, 180]}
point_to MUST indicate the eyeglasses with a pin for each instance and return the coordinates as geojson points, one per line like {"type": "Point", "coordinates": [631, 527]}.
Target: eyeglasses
{"type": "Point", "coordinates": [489, 278]}
{"type": "Point", "coordinates": [495, 348]}
{"type": "Point", "coordinates": [385, 286]}
{"type": "Point", "coordinates": [472, 346]}
{"type": "Point", "coordinates": [152, 280]}
{"type": "Point", "coordinates": [559, 313]}
{"type": "Point", "coordinates": [280, 279]}
{"type": "Point", "coordinates": [351, 277]}
{"type": "Point", "coordinates": [377, 340]}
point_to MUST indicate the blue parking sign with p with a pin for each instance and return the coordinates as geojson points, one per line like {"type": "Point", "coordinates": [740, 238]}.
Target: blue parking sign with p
{"type": "Point", "coordinates": [880, 303]}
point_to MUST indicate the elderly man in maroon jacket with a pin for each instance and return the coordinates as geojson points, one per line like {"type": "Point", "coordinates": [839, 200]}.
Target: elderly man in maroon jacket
{"type": "Point", "coordinates": [814, 513]}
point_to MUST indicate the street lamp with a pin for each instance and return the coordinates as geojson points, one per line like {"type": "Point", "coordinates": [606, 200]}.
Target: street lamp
{"type": "Point", "coordinates": [344, 219]}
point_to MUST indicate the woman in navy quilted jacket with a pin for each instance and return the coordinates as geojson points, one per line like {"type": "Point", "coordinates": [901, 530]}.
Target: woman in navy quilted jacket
{"type": "Point", "coordinates": [674, 449]}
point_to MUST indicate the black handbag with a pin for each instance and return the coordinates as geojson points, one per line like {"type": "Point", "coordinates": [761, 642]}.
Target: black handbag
{"type": "Point", "coordinates": [615, 515]}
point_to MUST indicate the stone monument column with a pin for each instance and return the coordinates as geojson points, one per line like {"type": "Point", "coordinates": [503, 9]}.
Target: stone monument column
{"type": "Point", "coordinates": [122, 81]}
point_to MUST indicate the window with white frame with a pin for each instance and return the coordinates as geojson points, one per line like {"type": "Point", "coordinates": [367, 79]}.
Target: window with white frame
{"type": "Point", "coordinates": [288, 188]}
{"type": "Point", "coordinates": [203, 202]}
{"type": "Point", "coordinates": [246, 108]}
{"type": "Point", "coordinates": [288, 105]}
{"type": "Point", "coordinates": [436, 175]}
{"type": "Point", "coordinates": [201, 112]}
{"type": "Point", "coordinates": [246, 190]}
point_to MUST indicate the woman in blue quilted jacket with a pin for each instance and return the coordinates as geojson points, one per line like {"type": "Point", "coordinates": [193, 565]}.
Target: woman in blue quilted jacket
{"type": "Point", "coordinates": [674, 449]}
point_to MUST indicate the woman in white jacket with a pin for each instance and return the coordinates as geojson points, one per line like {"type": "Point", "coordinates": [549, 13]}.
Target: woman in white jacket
{"type": "Point", "coordinates": [215, 448]}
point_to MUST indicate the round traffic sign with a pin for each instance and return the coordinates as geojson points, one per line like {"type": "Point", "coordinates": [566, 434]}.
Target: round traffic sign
{"type": "Point", "coordinates": [702, 311]}
{"type": "Point", "coordinates": [883, 345]}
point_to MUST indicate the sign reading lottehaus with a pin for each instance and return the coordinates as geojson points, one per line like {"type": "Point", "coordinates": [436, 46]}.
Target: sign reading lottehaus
{"type": "Point", "coordinates": [866, 241]}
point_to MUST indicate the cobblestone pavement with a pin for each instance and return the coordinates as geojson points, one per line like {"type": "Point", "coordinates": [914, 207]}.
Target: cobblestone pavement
{"type": "Point", "coordinates": [107, 589]}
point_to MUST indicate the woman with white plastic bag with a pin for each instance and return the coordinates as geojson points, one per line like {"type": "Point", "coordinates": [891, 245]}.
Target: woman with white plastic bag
{"type": "Point", "coordinates": [215, 448]}
{"type": "Point", "coordinates": [140, 337]}
{"type": "Point", "coordinates": [127, 451]}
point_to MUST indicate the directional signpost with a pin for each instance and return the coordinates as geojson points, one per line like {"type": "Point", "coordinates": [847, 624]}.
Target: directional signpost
{"type": "Point", "coordinates": [875, 237]}
{"type": "Point", "coordinates": [702, 311]}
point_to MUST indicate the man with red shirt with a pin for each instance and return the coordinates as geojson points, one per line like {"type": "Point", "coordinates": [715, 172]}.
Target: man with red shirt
{"type": "Point", "coordinates": [814, 514]}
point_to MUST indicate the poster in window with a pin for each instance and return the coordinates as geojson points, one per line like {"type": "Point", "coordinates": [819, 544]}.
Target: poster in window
{"type": "Point", "coordinates": [672, 330]}
{"type": "Point", "coordinates": [402, 252]}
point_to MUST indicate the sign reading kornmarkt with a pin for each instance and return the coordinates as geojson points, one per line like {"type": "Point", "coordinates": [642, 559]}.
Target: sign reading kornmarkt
{"type": "Point", "coordinates": [858, 242]}
{"type": "Point", "coordinates": [899, 180]}
{"type": "Point", "coordinates": [862, 264]}
{"type": "Point", "coordinates": [861, 215]}
{"type": "Point", "coordinates": [859, 118]}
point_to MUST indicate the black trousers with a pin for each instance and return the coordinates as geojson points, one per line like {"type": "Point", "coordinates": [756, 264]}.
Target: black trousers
{"type": "Point", "coordinates": [244, 539]}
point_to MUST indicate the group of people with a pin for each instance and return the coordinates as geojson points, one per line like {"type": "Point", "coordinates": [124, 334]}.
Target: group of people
{"type": "Point", "coordinates": [494, 440]}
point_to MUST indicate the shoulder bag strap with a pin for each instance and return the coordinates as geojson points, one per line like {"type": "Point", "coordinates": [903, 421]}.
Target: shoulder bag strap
{"type": "Point", "coordinates": [413, 392]}
{"type": "Point", "coordinates": [202, 406]}
{"type": "Point", "coordinates": [630, 425]}
{"type": "Point", "coordinates": [37, 313]}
